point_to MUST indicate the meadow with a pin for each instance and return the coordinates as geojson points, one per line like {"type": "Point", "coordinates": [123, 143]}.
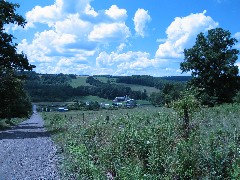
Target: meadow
{"type": "Point", "coordinates": [81, 81]}
{"type": "Point", "coordinates": [147, 143]}
{"type": "Point", "coordinates": [134, 87]}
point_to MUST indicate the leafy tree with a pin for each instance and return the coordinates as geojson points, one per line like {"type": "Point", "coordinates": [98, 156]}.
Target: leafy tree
{"type": "Point", "coordinates": [212, 63]}
{"type": "Point", "coordinates": [14, 101]}
{"type": "Point", "coordinates": [169, 93]}
{"type": "Point", "coordinates": [9, 58]}
{"type": "Point", "coordinates": [186, 106]}
{"type": "Point", "coordinates": [157, 98]}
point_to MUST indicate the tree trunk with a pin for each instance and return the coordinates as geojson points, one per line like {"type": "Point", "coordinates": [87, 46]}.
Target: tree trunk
{"type": "Point", "coordinates": [186, 123]}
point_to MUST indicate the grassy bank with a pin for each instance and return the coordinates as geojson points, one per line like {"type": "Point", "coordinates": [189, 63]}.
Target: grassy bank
{"type": "Point", "coordinates": [147, 143]}
{"type": "Point", "coordinates": [4, 124]}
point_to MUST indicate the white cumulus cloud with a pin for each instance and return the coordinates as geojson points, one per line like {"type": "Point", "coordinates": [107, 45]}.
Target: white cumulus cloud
{"type": "Point", "coordinates": [115, 13]}
{"type": "Point", "coordinates": [46, 15]}
{"type": "Point", "coordinates": [72, 24]}
{"type": "Point", "coordinates": [182, 32]}
{"type": "Point", "coordinates": [128, 63]}
{"type": "Point", "coordinates": [141, 19]}
{"type": "Point", "coordinates": [75, 33]}
{"type": "Point", "coordinates": [61, 8]}
{"type": "Point", "coordinates": [80, 40]}
{"type": "Point", "coordinates": [114, 32]}
{"type": "Point", "coordinates": [90, 11]}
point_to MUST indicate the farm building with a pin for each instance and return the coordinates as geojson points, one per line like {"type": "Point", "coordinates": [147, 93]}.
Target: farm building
{"type": "Point", "coordinates": [62, 109]}
{"type": "Point", "coordinates": [104, 105]}
{"type": "Point", "coordinates": [131, 103]}
{"type": "Point", "coordinates": [121, 99]}
{"type": "Point", "coordinates": [125, 101]}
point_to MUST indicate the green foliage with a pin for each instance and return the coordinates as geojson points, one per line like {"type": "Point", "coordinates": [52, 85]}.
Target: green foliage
{"type": "Point", "coordinates": [186, 106]}
{"type": "Point", "coordinates": [169, 93]}
{"type": "Point", "coordinates": [5, 123]}
{"type": "Point", "coordinates": [157, 99]}
{"type": "Point", "coordinates": [14, 101]}
{"type": "Point", "coordinates": [146, 80]}
{"type": "Point", "coordinates": [148, 143]}
{"type": "Point", "coordinates": [9, 58]}
{"type": "Point", "coordinates": [186, 102]}
{"type": "Point", "coordinates": [237, 97]}
{"type": "Point", "coordinates": [212, 63]}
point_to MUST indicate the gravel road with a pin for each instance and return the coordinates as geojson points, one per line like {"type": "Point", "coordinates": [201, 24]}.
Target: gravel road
{"type": "Point", "coordinates": [27, 152]}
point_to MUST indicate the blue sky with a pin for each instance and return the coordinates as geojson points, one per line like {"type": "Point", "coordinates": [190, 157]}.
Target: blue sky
{"type": "Point", "coordinates": [117, 37]}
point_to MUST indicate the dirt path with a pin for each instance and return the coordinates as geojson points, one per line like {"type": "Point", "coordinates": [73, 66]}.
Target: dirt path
{"type": "Point", "coordinates": [27, 152]}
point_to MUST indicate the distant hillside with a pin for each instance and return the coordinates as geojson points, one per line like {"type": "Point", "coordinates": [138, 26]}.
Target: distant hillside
{"type": "Point", "coordinates": [65, 87]}
{"type": "Point", "coordinates": [60, 87]}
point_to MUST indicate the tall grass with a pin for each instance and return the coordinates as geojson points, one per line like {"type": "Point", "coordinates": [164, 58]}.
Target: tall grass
{"type": "Point", "coordinates": [148, 144]}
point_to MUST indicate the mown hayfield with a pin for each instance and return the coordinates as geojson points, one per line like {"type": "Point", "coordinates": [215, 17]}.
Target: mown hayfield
{"type": "Point", "coordinates": [134, 87]}
{"type": "Point", "coordinates": [80, 81]}
{"type": "Point", "coordinates": [148, 143]}
{"type": "Point", "coordinates": [105, 79]}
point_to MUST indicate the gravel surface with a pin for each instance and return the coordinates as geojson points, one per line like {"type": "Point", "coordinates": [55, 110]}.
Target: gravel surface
{"type": "Point", "coordinates": [27, 152]}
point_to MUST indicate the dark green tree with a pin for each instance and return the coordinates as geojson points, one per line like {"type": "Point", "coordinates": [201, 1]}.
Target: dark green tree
{"type": "Point", "coordinates": [212, 64]}
{"type": "Point", "coordinates": [157, 98]}
{"type": "Point", "coordinates": [13, 99]}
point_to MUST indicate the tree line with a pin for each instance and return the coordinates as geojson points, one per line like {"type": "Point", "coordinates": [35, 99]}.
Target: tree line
{"type": "Point", "coordinates": [147, 80]}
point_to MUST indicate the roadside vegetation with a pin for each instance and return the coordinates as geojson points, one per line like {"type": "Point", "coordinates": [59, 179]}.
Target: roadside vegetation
{"type": "Point", "coordinates": [5, 124]}
{"type": "Point", "coordinates": [148, 143]}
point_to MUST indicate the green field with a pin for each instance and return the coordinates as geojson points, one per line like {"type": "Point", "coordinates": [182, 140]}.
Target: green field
{"type": "Point", "coordinates": [134, 87]}
{"type": "Point", "coordinates": [80, 81]}
{"type": "Point", "coordinates": [147, 143]}
{"type": "Point", "coordinates": [105, 79]}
